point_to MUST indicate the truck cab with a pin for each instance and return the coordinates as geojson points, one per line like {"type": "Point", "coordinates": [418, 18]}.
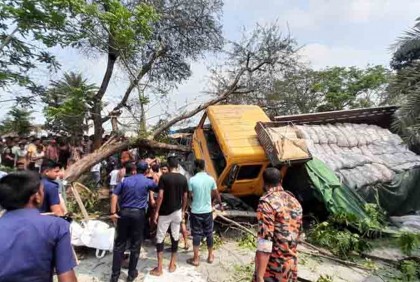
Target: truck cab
{"type": "Point", "coordinates": [226, 139]}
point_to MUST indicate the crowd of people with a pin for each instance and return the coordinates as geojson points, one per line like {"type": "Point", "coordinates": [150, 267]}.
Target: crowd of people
{"type": "Point", "coordinates": [152, 198]}
{"type": "Point", "coordinates": [28, 152]}
{"type": "Point", "coordinates": [149, 198]}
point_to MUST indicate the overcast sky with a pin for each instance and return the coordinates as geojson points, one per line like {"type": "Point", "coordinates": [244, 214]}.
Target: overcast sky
{"type": "Point", "coordinates": [333, 33]}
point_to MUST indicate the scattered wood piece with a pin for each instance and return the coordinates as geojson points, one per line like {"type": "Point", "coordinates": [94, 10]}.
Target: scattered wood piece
{"type": "Point", "coordinates": [81, 186]}
{"type": "Point", "coordinates": [98, 264]}
{"type": "Point", "coordinates": [79, 202]}
{"type": "Point", "coordinates": [333, 258]}
{"type": "Point", "coordinates": [301, 279]}
{"type": "Point", "coordinates": [386, 260]}
{"type": "Point", "coordinates": [318, 251]}
{"type": "Point", "coordinates": [219, 214]}
{"type": "Point", "coordinates": [232, 213]}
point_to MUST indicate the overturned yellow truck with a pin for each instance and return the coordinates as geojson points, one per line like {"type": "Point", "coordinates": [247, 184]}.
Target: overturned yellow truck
{"type": "Point", "coordinates": [351, 156]}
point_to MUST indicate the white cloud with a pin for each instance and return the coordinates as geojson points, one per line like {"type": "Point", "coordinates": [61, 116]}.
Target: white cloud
{"type": "Point", "coordinates": [320, 56]}
{"type": "Point", "coordinates": [316, 14]}
{"type": "Point", "coordinates": [334, 32]}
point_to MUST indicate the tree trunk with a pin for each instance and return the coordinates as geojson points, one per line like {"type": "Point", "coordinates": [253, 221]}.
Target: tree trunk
{"type": "Point", "coordinates": [97, 100]}
{"type": "Point", "coordinates": [97, 125]}
{"type": "Point", "coordinates": [110, 148]}
{"type": "Point", "coordinates": [143, 129]}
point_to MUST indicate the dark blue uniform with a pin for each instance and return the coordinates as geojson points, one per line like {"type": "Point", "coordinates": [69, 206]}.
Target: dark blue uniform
{"type": "Point", "coordinates": [33, 245]}
{"type": "Point", "coordinates": [51, 195]}
{"type": "Point", "coordinates": [133, 196]}
{"type": "Point", "coordinates": [133, 192]}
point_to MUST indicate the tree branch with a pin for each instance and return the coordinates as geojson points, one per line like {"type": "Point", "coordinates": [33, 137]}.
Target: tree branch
{"type": "Point", "coordinates": [143, 71]}
{"type": "Point", "coordinates": [8, 38]}
{"type": "Point", "coordinates": [230, 89]}
{"type": "Point", "coordinates": [112, 58]}
{"type": "Point", "coordinates": [112, 146]}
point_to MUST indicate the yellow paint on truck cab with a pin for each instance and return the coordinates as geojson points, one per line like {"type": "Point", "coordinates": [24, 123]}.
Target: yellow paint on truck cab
{"type": "Point", "coordinates": [225, 138]}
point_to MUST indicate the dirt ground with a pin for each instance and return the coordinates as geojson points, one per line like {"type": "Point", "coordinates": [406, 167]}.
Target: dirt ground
{"type": "Point", "coordinates": [232, 264]}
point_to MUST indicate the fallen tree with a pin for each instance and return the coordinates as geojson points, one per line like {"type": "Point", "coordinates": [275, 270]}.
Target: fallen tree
{"type": "Point", "coordinates": [252, 63]}
{"type": "Point", "coordinates": [111, 147]}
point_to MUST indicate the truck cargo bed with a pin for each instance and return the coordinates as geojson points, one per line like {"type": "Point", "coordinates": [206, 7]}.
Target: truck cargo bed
{"type": "Point", "coordinates": [269, 145]}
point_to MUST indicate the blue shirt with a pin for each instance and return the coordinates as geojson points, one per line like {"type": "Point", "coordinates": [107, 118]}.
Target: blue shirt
{"type": "Point", "coordinates": [201, 186]}
{"type": "Point", "coordinates": [51, 195]}
{"type": "Point", "coordinates": [33, 245]}
{"type": "Point", "coordinates": [133, 192]}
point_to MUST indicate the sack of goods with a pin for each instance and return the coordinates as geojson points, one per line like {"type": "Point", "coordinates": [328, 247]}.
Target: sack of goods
{"type": "Point", "coordinates": [360, 154]}
{"type": "Point", "coordinates": [93, 234]}
{"type": "Point", "coordinates": [289, 144]}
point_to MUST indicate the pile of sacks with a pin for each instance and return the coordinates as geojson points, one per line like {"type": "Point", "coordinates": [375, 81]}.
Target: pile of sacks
{"type": "Point", "coordinates": [360, 154]}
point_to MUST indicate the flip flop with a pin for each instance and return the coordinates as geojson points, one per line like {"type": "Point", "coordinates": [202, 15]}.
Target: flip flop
{"type": "Point", "coordinates": [191, 262]}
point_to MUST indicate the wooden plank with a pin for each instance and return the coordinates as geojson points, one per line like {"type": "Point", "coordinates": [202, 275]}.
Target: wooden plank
{"type": "Point", "coordinates": [78, 184]}
{"type": "Point", "coordinates": [79, 202]}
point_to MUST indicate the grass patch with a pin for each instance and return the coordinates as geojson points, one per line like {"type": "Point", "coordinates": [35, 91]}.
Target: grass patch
{"type": "Point", "coordinates": [244, 272]}
{"type": "Point", "coordinates": [217, 243]}
{"type": "Point", "coordinates": [325, 278]}
{"type": "Point", "coordinates": [247, 242]}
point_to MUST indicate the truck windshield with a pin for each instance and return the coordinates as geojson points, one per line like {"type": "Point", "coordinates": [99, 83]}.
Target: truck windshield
{"type": "Point", "coordinates": [215, 152]}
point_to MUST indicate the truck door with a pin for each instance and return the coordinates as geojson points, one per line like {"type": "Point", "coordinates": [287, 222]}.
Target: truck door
{"type": "Point", "coordinates": [200, 147]}
{"type": "Point", "coordinates": [244, 179]}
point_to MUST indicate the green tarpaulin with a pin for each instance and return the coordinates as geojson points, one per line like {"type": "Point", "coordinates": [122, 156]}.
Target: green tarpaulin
{"type": "Point", "coordinates": [398, 197]}
{"type": "Point", "coordinates": [337, 197]}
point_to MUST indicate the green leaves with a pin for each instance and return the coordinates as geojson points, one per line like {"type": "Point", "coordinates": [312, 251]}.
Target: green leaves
{"type": "Point", "coordinates": [304, 90]}
{"type": "Point", "coordinates": [247, 241]}
{"type": "Point", "coordinates": [405, 89]}
{"type": "Point", "coordinates": [67, 104]}
{"type": "Point", "coordinates": [18, 121]}
{"type": "Point", "coordinates": [28, 27]}
{"type": "Point", "coordinates": [351, 87]}
{"type": "Point", "coordinates": [408, 242]}
{"type": "Point", "coordinates": [410, 271]}
{"type": "Point", "coordinates": [112, 24]}
{"type": "Point", "coordinates": [339, 234]}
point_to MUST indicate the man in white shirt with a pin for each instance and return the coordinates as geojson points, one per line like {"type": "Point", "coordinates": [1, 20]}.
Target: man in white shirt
{"type": "Point", "coordinates": [114, 178]}
{"type": "Point", "coordinates": [96, 174]}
